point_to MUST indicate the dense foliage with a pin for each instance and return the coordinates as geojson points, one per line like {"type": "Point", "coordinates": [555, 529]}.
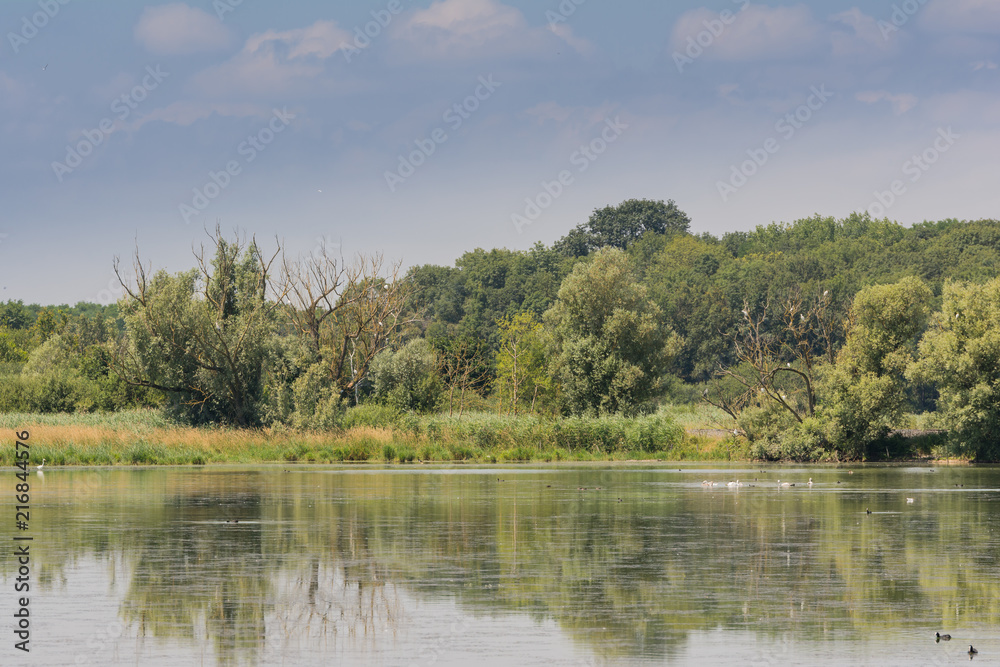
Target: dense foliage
{"type": "Point", "coordinates": [818, 337]}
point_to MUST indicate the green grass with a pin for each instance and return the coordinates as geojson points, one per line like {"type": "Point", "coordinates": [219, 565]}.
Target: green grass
{"type": "Point", "coordinates": [371, 434]}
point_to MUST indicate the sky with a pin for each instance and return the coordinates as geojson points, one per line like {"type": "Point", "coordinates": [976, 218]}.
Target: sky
{"type": "Point", "coordinates": [423, 129]}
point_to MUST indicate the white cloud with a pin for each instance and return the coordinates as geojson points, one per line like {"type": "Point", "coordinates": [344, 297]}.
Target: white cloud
{"type": "Point", "coordinates": [901, 103]}
{"type": "Point", "coordinates": [274, 62]}
{"type": "Point", "coordinates": [320, 40]}
{"type": "Point", "coordinates": [983, 64]}
{"type": "Point", "coordinates": [975, 16]}
{"type": "Point", "coordinates": [177, 29]}
{"type": "Point", "coordinates": [757, 33]}
{"type": "Point", "coordinates": [477, 29]}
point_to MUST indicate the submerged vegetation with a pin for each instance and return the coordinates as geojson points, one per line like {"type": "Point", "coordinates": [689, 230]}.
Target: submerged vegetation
{"type": "Point", "coordinates": [821, 339]}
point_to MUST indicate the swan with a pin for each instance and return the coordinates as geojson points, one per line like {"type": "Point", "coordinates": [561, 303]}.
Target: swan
{"type": "Point", "coordinates": [41, 465]}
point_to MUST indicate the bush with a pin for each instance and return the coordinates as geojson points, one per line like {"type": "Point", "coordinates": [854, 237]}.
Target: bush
{"type": "Point", "coordinates": [372, 415]}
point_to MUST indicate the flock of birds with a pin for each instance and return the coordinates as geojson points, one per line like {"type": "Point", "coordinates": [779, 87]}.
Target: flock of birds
{"type": "Point", "coordinates": [738, 484]}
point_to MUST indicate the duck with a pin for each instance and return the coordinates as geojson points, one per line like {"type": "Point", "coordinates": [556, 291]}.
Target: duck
{"type": "Point", "coordinates": [972, 650]}
{"type": "Point", "coordinates": [867, 511]}
{"type": "Point", "coordinates": [40, 465]}
{"type": "Point", "coordinates": [939, 637]}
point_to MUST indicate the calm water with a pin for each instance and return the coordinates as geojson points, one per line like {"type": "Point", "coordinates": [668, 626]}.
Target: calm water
{"type": "Point", "coordinates": [449, 566]}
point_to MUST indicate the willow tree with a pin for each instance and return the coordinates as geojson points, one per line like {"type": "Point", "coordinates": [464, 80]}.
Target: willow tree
{"type": "Point", "coordinates": [960, 355]}
{"type": "Point", "coordinates": [201, 336]}
{"type": "Point", "coordinates": [609, 347]}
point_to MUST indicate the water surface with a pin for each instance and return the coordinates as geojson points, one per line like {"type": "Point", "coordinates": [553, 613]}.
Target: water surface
{"type": "Point", "coordinates": [586, 565]}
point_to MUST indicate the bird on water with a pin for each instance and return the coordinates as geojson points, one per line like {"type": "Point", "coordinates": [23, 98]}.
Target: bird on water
{"type": "Point", "coordinates": [41, 465]}
{"type": "Point", "coordinates": [939, 637]}
{"type": "Point", "coordinates": [972, 650]}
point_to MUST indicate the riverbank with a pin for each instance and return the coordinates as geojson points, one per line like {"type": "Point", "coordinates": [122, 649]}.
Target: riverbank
{"type": "Point", "coordinates": [373, 435]}
{"type": "Point", "coordinates": [144, 437]}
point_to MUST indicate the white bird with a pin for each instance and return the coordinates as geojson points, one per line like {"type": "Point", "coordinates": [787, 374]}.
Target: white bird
{"type": "Point", "coordinates": [784, 484]}
{"type": "Point", "coordinates": [45, 67]}
{"type": "Point", "coordinates": [825, 292]}
{"type": "Point", "coordinates": [706, 483]}
{"type": "Point", "coordinates": [810, 481]}
{"type": "Point", "coordinates": [909, 501]}
{"type": "Point", "coordinates": [733, 485]}
{"type": "Point", "coordinates": [41, 465]}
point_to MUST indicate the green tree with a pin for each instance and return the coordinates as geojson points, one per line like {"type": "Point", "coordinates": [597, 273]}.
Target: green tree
{"type": "Point", "coordinates": [960, 354]}
{"type": "Point", "coordinates": [521, 372]}
{"type": "Point", "coordinates": [609, 348]}
{"type": "Point", "coordinates": [622, 225]}
{"type": "Point", "coordinates": [868, 384]}
{"type": "Point", "coordinates": [408, 378]}
{"type": "Point", "coordinates": [202, 336]}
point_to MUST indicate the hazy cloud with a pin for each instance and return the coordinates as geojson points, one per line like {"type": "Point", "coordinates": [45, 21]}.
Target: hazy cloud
{"type": "Point", "coordinates": [177, 29]}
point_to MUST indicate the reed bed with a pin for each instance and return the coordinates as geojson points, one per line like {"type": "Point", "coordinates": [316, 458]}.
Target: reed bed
{"type": "Point", "coordinates": [145, 437]}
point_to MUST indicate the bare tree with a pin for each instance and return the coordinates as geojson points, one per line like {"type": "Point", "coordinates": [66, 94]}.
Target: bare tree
{"type": "Point", "coordinates": [767, 354]}
{"type": "Point", "coordinates": [348, 312]}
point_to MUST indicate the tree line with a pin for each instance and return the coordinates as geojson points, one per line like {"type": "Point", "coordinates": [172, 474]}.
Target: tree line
{"type": "Point", "coordinates": [816, 337]}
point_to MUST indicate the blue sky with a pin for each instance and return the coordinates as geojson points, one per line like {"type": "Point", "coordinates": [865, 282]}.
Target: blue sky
{"type": "Point", "coordinates": [458, 124]}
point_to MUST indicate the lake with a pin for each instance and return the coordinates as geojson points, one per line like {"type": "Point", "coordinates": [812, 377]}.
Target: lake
{"type": "Point", "coordinates": [537, 565]}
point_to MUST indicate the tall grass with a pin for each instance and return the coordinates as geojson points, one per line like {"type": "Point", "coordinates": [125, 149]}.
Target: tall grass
{"type": "Point", "coordinates": [372, 434]}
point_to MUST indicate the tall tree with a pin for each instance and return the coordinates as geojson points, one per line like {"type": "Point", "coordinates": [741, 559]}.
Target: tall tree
{"type": "Point", "coordinates": [348, 312]}
{"type": "Point", "coordinates": [201, 336]}
{"type": "Point", "coordinates": [622, 225]}
{"type": "Point", "coordinates": [609, 346]}
{"type": "Point", "coordinates": [960, 354]}
{"type": "Point", "coordinates": [867, 386]}
{"type": "Point", "coordinates": [521, 372]}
